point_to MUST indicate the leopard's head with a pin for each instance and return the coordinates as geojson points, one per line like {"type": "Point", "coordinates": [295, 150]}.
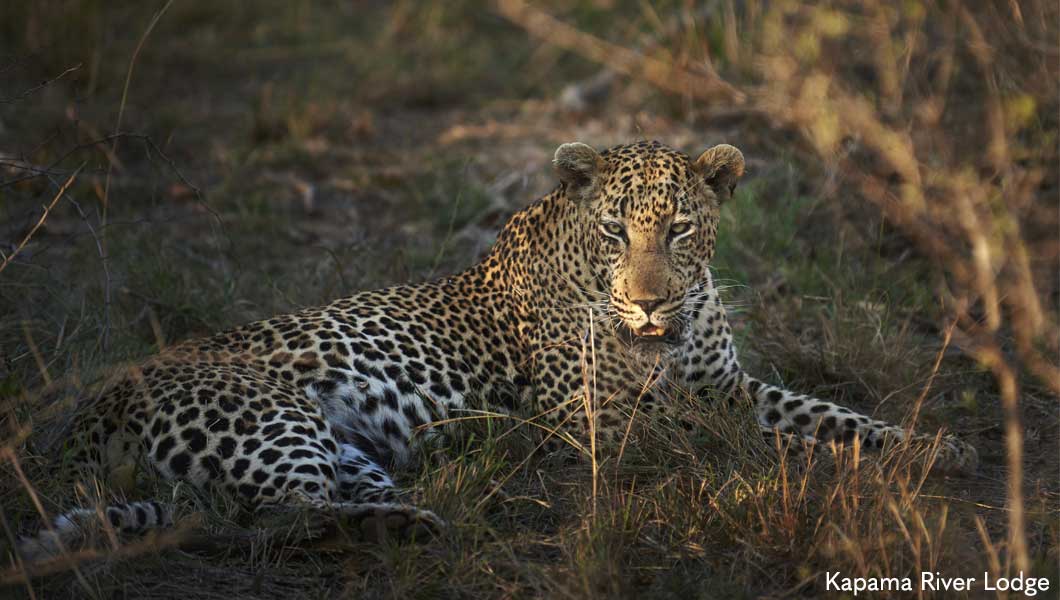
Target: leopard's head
{"type": "Point", "coordinates": [649, 215]}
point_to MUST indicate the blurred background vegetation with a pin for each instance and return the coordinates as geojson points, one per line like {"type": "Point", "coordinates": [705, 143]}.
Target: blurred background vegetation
{"type": "Point", "coordinates": [168, 169]}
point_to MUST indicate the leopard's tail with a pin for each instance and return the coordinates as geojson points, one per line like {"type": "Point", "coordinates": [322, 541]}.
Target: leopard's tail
{"type": "Point", "coordinates": [74, 528]}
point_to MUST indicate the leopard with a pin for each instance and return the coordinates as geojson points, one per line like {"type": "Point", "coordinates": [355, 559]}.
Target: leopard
{"type": "Point", "coordinates": [609, 273]}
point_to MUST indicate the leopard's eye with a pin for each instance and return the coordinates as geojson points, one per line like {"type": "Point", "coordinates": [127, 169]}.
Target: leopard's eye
{"type": "Point", "coordinates": [613, 229]}
{"type": "Point", "coordinates": [680, 229]}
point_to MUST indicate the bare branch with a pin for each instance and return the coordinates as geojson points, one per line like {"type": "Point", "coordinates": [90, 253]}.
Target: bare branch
{"type": "Point", "coordinates": [39, 86]}
{"type": "Point", "coordinates": [44, 216]}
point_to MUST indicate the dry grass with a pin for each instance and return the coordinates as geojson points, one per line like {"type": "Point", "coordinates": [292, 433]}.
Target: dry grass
{"type": "Point", "coordinates": [898, 234]}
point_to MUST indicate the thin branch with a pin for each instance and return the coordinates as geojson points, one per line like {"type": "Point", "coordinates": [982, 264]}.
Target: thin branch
{"type": "Point", "coordinates": [39, 86]}
{"type": "Point", "coordinates": [47, 210]}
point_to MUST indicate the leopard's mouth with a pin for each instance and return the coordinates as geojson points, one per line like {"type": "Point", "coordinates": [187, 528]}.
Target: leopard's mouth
{"type": "Point", "coordinates": [650, 334]}
{"type": "Point", "coordinates": [650, 330]}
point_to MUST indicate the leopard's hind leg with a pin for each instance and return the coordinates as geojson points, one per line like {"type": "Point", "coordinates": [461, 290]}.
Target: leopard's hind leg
{"type": "Point", "coordinates": [370, 505]}
{"type": "Point", "coordinates": [361, 479]}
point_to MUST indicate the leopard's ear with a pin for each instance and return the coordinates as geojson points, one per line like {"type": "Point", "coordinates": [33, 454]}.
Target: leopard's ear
{"type": "Point", "coordinates": [721, 167]}
{"type": "Point", "coordinates": [578, 166]}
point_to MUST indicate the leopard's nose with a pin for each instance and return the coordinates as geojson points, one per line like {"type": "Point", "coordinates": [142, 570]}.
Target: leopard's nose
{"type": "Point", "coordinates": [649, 304]}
